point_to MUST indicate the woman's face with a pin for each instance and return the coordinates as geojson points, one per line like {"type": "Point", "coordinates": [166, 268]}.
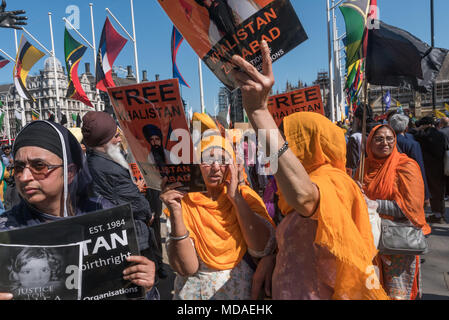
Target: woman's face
{"type": "Point", "coordinates": [40, 190]}
{"type": "Point", "coordinates": [35, 273]}
{"type": "Point", "coordinates": [383, 143]}
{"type": "Point", "coordinates": [214, 166]}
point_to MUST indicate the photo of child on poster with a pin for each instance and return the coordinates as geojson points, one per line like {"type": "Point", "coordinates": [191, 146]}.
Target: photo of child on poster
{"type": "Point", "coordinates": [153, 120]}
{"type": "Point", "coordinates": [219, 29]}
{"type": "Point", "coordinates": [39, 273]}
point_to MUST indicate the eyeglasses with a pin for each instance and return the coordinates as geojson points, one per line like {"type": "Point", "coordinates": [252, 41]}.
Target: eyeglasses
{"type": "Point", "coordinates": [210, 162]}
{"type": "Point", "coordinates": [38, 168]}
{"type": "Point", "coordinates": [389, 140]}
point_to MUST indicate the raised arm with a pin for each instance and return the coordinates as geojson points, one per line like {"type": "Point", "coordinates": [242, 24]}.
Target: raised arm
{"type": "Point", "coordinates": [293, 180]}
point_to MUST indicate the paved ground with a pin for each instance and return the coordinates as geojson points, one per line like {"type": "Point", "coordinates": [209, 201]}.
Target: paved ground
{"type": "Point", "coordinates": [435, 269]}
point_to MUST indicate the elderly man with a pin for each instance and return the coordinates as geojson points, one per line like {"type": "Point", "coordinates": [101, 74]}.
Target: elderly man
{"type": "Point", "coordinates": [43, 152]}
{"type": "Point", "coordinates": [111, 174]}
{"type": "Point", "coordinates": [408, 145]}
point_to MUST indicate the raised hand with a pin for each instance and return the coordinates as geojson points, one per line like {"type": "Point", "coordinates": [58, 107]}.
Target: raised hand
{"type": "Point", "coordinates": [255, 86]}
{"type": "Point", "coordinates": [11, 19]}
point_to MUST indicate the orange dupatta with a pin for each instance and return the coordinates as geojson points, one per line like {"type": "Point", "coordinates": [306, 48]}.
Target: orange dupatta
{"type": "Point", "coordinates": [214, 227]}
{"type": "Point", "coordinates": [343, 228]}
{"type": "Point", "coordinates": [396, 178]}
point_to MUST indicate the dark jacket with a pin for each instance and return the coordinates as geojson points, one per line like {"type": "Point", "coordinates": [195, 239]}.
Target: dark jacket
{"type": "Point", "coordinates": [114, 183]}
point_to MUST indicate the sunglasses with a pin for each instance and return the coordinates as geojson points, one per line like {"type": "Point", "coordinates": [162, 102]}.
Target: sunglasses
{"type": "Point", "coordinates": [38, 168]}
{"type": "Point", "coordinates": [222, 162]}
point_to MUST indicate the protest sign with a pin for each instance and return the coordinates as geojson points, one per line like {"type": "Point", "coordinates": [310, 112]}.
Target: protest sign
{"type": "Point", "coordinates": [107, 238]}
{"type": "Point", "coordinates": [152, 117]}
{"type": "Point", "coordinates": [218, 29]}
{"type": "Point", "coordinates": [137, 175]}
{"type": "Point", "coordinates": [306, 99]}
{"type": "Point", "coordinates": [40, 272]}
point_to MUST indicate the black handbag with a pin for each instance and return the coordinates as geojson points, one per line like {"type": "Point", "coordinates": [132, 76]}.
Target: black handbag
{"type": "Point", "coordinates": [401, 238]}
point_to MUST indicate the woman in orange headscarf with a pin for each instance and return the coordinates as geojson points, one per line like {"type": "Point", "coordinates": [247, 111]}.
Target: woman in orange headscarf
{"type": "Point", "coordinates": [325, 243]}
{"type": "Point", "coordinates": [215, 235]}
{"type": "Point", "coordinates": [394, 181]}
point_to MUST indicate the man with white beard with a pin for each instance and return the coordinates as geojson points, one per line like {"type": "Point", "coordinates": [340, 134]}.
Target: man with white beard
{"type": "Point", "coordinates": [112, 177]}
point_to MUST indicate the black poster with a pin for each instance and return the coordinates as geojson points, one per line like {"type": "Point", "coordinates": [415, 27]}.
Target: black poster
{"type": "Point", "coordinates": [41, 272]}
{"type": "Point", "coordinates": [219, 29]}
{"type": "Point", "coordinates": [106, 237]}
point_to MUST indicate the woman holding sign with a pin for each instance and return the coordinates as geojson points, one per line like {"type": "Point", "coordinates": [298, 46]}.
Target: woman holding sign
{"type": "Point", "coordinates": [52, 178]}
{"type": "Point", "coordinates": [325, 244]}
{"type": "Point", "coordinates": [215, 235]}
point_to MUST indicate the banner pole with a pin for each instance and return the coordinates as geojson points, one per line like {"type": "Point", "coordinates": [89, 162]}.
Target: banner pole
{"type": "Point", "coordinates": [58, 106]}
{"type": "Point", "coordinates": [331, 72]}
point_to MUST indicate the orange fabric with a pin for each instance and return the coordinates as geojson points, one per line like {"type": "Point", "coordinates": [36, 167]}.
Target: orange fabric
{"type": "Point", "coordinates": [343, 221]}
{"type": "Point", "coordinates": [214, 227]}
{"type": "Point", "coordinates": [396, 178]}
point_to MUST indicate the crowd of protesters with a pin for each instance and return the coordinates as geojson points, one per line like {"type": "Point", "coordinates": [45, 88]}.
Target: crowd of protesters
{"type": "Point", "coordinates": [303, 232]}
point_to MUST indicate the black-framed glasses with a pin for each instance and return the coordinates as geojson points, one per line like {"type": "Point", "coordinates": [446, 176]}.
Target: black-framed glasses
{"type": "Point", "coordinates": [38, 168]}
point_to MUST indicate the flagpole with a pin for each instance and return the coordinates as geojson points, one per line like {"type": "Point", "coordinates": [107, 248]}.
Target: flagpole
{"type": "Point", "coordinates": [132, 38]}
{"type": "Point", "coordinates": [200, 71]}
{"type": "Point", "coordinates": [331, 72]}
{"type": "Point", "coordinates": [95, 52]}
{"type": "Point", "coordinates": [136, 58]}
{"type": "Point", "coordinates": [58, 106]}
{"type": "Point", "coordinates": [22, 105]}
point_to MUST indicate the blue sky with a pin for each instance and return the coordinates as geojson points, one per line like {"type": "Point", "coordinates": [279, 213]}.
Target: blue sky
{"type": "Point", "coordinates": [153, 30]}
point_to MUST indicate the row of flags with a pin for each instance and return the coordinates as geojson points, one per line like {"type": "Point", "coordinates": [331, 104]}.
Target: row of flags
{"type": "Point", "coordinates": [111, 44]}
{"type": "Point", "coordinates": [382, 54]}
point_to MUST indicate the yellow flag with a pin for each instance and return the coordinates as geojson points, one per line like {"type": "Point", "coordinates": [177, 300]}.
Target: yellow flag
{"type": "Point", "coordinates": [439, 114]}
{"type": "Point", "coordinates": [447, 107]}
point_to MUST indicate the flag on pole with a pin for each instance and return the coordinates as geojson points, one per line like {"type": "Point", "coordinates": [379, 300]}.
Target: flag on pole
{"type": "Point", "coordinates": [176, 41]}
{"type": "Point", "coordinates": [387, 100]}
{"type": "Point", "coordinates": [2, 117]}
{"type": "Point", "coordinates": [78, 121]}
{"type": "Point", "coordinates": [397, 58]}
{"type": "Point", "coordinates": [35, 115]}
{"type": "Point", "coordinates": [111, 43]}
{"type": "Point", "coordinates": [74, 51]}
{"type": "Point", "coordinates": [439, 114]}
{"type": "Point", "coordinates": [355, 13]}
{"type": "Point", "coordinates": [26, 58]}
{"type": "Point", "coordinates": [3, 61]}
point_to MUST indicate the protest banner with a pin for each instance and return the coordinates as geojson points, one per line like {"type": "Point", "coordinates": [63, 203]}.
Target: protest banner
{"type": "Point", "coordinates": [302, 100]}
{"type": "Point", "coordinates": [40, 272]}
{"type": "Point", "coordinates": [137, 175]}
{"type": "Point", "coordinates": [152, 117]}
{"type": "Point", "coordinates": [107, 238]}
{"type": "Point", "coordinates": [219, 29]}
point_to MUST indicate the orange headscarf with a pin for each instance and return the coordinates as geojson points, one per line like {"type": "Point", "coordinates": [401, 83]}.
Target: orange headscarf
{"type": "Point", "coordinates": [397, 178]}
{"type": "Point", "coordinates": [342, 215]}
{"type": "Point", "coordinates": [213, 225]}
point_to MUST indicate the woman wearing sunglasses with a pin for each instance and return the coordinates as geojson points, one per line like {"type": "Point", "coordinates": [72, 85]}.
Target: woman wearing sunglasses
{"type": "Point", "coordinates": [53, 180]}
{"type": "Point", "coordinates": [216, 234]}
